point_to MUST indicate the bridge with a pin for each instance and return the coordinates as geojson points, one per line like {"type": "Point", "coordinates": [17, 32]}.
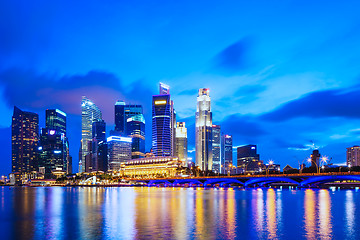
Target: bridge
{"type": "Point", "coordinates": [304, 180]}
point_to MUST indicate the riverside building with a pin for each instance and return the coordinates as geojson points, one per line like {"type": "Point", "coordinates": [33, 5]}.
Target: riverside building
{"type": "Point", "coordinates": [203, 131]}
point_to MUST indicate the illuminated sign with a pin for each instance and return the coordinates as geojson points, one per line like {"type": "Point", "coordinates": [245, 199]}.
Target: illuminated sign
{"type": "Point", "coordinates": [40, 148]}
{"type": "Point", "coordinates": [160, 102]}
{"type": "Point", "coordinates": [119, 139]}
{"type": "Point", "coordinates": [52, 132]}
{"type": "Point", "coordinates": [252, 147]}
{"type": "Point", "coordinates": [57, 151]}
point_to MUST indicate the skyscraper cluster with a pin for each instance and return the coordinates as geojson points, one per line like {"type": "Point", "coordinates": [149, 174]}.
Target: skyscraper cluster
{"type": "Point", "coordinates": [44, 154]}
{"type": "Point", "coordinates": [47, 152]}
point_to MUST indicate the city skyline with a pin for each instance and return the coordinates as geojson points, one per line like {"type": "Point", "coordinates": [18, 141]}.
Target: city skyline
{"type": "Point", "coordinates": [291, 88]}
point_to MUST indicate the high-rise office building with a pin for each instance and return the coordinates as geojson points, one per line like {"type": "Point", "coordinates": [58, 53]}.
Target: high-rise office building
{"type": "Point", "coordinates": [353, 156]}
{"type": "Point", "coordinates": [24, 141]}
{"type": "Point", "coordinates": [120, 117]}
{"type": "Point", "coordinates": [203, 131]}
{"type": "Point", "coordinates": [56, 120]}
{"type": "Point", "coordinates": [53, 152]}
{"type": "Point", "coordinates": [181, 142]}
{"type": "Point", "coordinates": [135, 128]}
{"type": "Point", "coordinates": [226, 153]}
{"type": "Point", "coordinates": [54, 145]}
{"type": "Point", "coordinates": [129, 121]}
{"type": "Point", "coordinates": [216, 148]}
{"type": "Point", "coordinates": [119, 151]}
{"type": "Point", "coordinates": [89, 114]}
{"type": "Point", "coordinates": [163, 123]}
{"type": "Point", "coordinates": [248, 159]}
{"type": "Point", "coordinates": [99, 148]}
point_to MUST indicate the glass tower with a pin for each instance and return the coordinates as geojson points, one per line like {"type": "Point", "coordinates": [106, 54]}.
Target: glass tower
{"type": "Point", "coordinates": [99, 148]}
{"type": "Point", "coordinates": [216, 148]}
{"type": "Point", "coordinates": [89, 114]}
{"type": "Point", "coordinates": [135, 128]}
{"type": "Point", "coordinates": [203, 131]}
{"type": "Point", "coordinates": [119, 151]}
{"type": "Point", "coordinates": [24, 141]}
{"type": "Point", "coordinates": [54, 145]}
{"type": "Point", "coordinates": [226, 153]}
{"type": "Point", "coordinates": [163, 123]}
{"type": "Point", "coordinates": [181, 142]}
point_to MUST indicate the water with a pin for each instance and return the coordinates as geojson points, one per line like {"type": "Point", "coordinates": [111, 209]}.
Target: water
{"type": "Point", "coordinates": [178, 213]}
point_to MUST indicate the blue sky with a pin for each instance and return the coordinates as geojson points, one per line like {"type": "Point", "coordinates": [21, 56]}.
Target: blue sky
{"type": "Point", "coordinates": [282, 74]}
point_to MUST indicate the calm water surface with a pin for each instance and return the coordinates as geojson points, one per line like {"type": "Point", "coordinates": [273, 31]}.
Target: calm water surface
{"type": "Point", "coordinates": [178, 213]}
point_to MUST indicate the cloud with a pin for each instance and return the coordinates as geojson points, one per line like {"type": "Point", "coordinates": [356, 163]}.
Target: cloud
{"type": "Point", "coordinates": [244, 128]}
{"type": "Point", "coordinates": [234, 58]}
{"type": "Point", "coordinates": [30, 90]}
{"type": "Point", "coordinates": [330, 103]}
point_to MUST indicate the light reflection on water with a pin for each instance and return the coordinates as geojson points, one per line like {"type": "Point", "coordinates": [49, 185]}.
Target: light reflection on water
{"type": "Point", "coordinates": [178, 213]}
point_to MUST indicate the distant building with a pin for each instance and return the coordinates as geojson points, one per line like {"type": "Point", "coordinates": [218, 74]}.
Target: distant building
{"type": "Point", "coordinates": [99, 148]}
{"type": "Point", "coordinates": [288, 168]}
{"type": "Point", "coordinates": [135, 128]}
{"type": "Point", "coordinates": [163, 123]}
{"type": "Point", "coordinates": [353, 156]}
{"type": "Point", "coordinates": [53, 153]}
{"type": "Point", "coordinates": [248, 160]}
{"type": "Point", "coordinates": [203, 131]}
{"type": "Point", "coordinates": [119, 151]}
{"type": "Point", "coordinates": [226, 153]}
{"type": "Point", "coordinates": [181, 142]}
{"type": "Point", "coordinates": [216, 148]}
{"type": "Point", "coordinates": [89, 113]}
{"type": "Point", "coordinates": [152, 167]}
{"type": "Point", "coordinates": [120, 117]}
{"type": "Point", "coordinates": [24, 142]}
{"type": "Point", "coordinates": [54, 144]}
{"type": "Point", "coordinates": [315, 158]}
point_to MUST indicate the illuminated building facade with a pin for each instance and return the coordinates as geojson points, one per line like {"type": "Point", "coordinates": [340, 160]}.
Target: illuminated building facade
{"type": "Point", "coordinates": [120, 117]}
{"type": "Point", "coordinates": [24, 141]}
{"type": "Point", "coordinates": [135, 128]}
{"type": "Point", "coordinates": [216, 148]}
{"type": "Point", "coordinates": [247, 159]}
{"type": "Point", "coordinates": [130, 122]}
{"type": "Point", "coordinates": [119, 151]}
{"type": "Point", "coordinates": [89, 114]}
{"type": "Point", "coordinates": [226, 152]}
{"type": "Point", "coordinates": [181, 142]}
{"type": "Point", "coordinates": [353, 156]}
{"type": "Point", "coordinates": [99, 147]}
{"type": "Point", "coordinates": [203, 131]}
{"type": "Point", "coordinates": [151, 167]}
{"type": "Point", "coordinates": [163, 123]}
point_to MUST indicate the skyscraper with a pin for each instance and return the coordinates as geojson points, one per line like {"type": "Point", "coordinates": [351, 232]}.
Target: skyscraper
{"type": "Point", "coordinates": [89, 114]}
{"type": "Point", "coordinates": [203, 131]}
{"type": "Point", "coordinates": [54, 145]}
{"type": "Point", "coordinates": [226, 153]}
{"type": "Point", "coordinates": [163, 123]}
{"type": "Point", "coordinates": [216, 148]}
{"type": "Point", "coordinates": [135, 128]}
{"type": "Point", "coordinates": [119, 151]}
{"type": "Point", "coordinates": [120, 117]}
{"type": "Point", "coordinates": [181, 142]}
{"type": "Point", "coordinates": [56, 120]}
{"type": "Point", "coordinates": [24, 141]}
{"type": "Point", "coordinates": [99, 148]}
{"type": "Point", "coordinates": [247, 158]}
{"type": "Point", "coordinates": [353, 156]}
{"type": "Point", "coordinates": [129, 121]}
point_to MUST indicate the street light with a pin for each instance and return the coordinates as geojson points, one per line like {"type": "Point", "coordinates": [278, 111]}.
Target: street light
{"type": "Point", "coordinates": [311, 161]}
